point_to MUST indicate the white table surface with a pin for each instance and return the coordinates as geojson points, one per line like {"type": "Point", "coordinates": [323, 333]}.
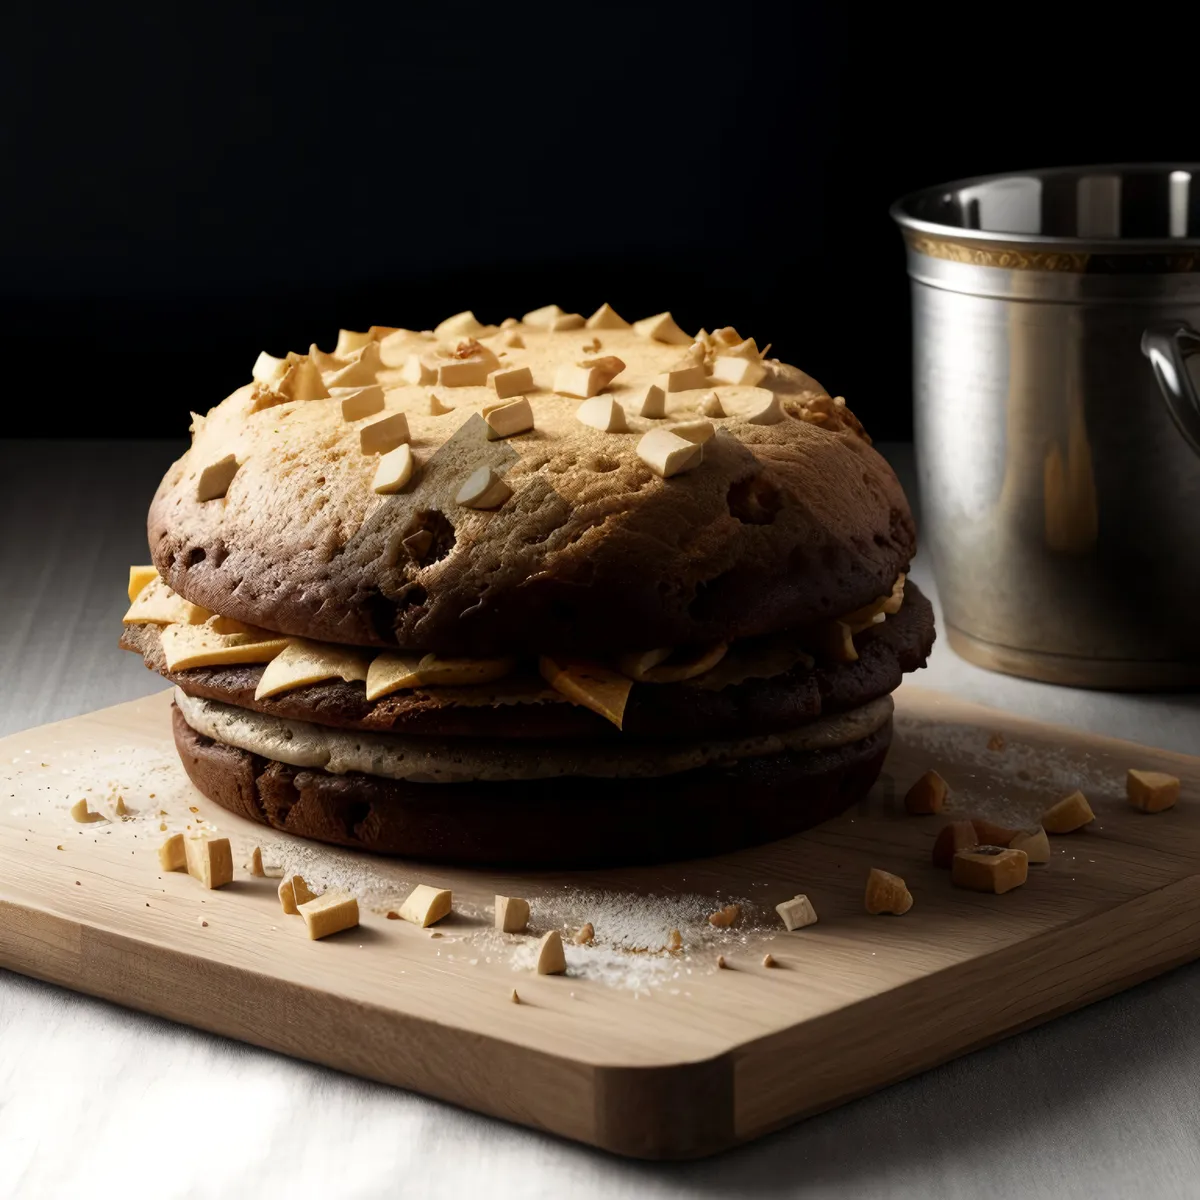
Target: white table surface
{"type": "Point", "coordinates": [96, 1100]}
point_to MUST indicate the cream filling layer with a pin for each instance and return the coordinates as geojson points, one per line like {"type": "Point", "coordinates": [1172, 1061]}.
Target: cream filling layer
{"type": "Point", "coordinates": [461, 760]}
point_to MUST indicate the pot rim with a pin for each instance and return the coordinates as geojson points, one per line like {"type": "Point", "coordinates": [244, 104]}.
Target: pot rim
{"type": "Point", "coordinates": [901, 212]}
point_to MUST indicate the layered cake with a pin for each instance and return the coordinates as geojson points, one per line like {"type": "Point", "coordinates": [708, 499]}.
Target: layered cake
{"type": "Point", "coordinates": [555, 591]}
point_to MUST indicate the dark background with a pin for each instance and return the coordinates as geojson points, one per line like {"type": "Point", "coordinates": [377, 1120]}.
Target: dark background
{"type": "Point", "coordinates": [184, 189]}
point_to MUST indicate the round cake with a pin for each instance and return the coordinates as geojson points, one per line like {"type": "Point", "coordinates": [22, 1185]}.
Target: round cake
{"type": "Point", "coordinates": [557, 591]}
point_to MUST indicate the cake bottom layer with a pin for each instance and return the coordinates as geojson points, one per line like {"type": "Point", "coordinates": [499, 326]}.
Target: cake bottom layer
{"type": "Point", "coordinates": [572, 822]}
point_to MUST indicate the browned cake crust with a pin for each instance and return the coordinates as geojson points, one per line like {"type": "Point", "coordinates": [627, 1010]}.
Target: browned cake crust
{"type": "Point", "coordinates": [781, 525]}
{"type": "Point", "coordinates": [553, 823]}
{"type": "Point", "coordinates": [803, 694]}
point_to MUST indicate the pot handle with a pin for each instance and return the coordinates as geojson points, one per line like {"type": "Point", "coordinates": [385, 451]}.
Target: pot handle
{"type": "Point", "coordinates": [1168, 347]}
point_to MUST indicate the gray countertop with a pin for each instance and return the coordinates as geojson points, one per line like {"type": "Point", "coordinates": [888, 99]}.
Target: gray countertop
{"type": "Point", "coordinates": [98, 1100]}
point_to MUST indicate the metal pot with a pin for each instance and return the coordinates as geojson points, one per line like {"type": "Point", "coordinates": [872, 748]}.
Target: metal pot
{"type": "Point", "coordinates": [1061, 495]}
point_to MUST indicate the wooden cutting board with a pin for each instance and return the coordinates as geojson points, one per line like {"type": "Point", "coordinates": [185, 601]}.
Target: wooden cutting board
{"type": "Point", "coordinates": [638, 1050]}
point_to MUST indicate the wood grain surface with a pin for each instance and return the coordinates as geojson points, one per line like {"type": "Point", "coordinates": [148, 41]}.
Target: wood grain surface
{"type": "Point", "coordinates": [679, 1064]}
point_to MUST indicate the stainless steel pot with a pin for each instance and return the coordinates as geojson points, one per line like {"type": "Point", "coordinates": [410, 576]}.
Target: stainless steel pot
{"type": "Point", "coordinates": [1061, 494]}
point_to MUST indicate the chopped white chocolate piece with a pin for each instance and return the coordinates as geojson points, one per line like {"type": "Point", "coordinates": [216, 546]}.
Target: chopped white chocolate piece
{"type": "Point", "coordinates": [606, 317]}
{"type": "Point", "coordinates": [293, 891]}
{"type": "Point", "coordinates": [394, 672]}
{"type": "Point", "coordinates": [483, 489]}
{"type": "Point", "coordinates": [305, 662]}
{"type": "Point", "coordinates": [551, 958]}
{"type": "Point", "coordinates": [349, 341]}
{"type": "Point", "coordinates": [927, 795]}
{"type": "Point", "coordinates": [215, 479]}
{"type": "Point", "coordinates": [770, 413]}
{"type": "Point", "coordinates": [394, 471]}
{"type": "Point", "coordinates": [650, 401]}
{"type": "Point", "coordinates": [566, 321]}
{"type": "Point", "coordinates": [301, 380]}
{"type": "Point", "coordinates": [605, 692]}
{"type": "Point", "coordinates": [993, 869]}
{"type": "Point", "coordinates": [513, 340]}
{"type": "Point", "coordinates": [436, 406]}
{"type": "Point", "coordinates": [1151, 791]}
{"type": "Point", "coordinates": [543, 317]}
{"type": "Point", "coordinates": [188, 646]}
{"type": "Point", "coordinates": [469, 366]}
{"type": "Point", "coordinates": [667, 454]}
{"type": "Point", "coordinates": [509, 418]}
{"type": "Point", "coordinates": [119, 808]}
{"type": "Point", "coordinates": [171, 854]}
{"type": "Point", "coordinates": [140, 577]}
{"type": "Point", "coordinates": [426, 905]}
{"type": "Point", "coordinates": [84, 815]}
{"type": "Point", "coordinates": [886, 893]}
{"type": "Point", "coordinates": [359, 373]}
{"type": "Point", "coordinates": [462, 325]}
{"type": "Point", "coordinates": [683, 379]}
{"type": "Point", "coordinates": [332, 912]}
{"type": "Point", "coordinates": [267, 368]}
{"type": "Point", "coordinates": [745, 349]}
{"type": "Point", "coordinates": [254, 864]}
{"type": "Point", "coordinates": [662, 328]}
{"type": "Point", "coordinates": [359, 402]}
{"type": "Point", "coordinates": [586, 935]}
{"type": "Point", "coordinates": [210, 860]}
{"type": "Point", "coordinates": [797, 913]}
{"type": "Point", "coordinates": [744, 372]}
{"type": "Point", "coordinates": [512, 381]}
{"type": "Point", "coordinates": [587, 378]}
{"type": "Point", "coordinates": [698, 431]}
{"type": "Point", "coordinates": [383, 435]}
{"type": "Point", "coordinates": [157, 604]}
{"type": "Point", "coordinates": [512, 914]}
{"type": "Point", "coordinates": [603, 413]}
{"type": "Point", "coordinates": [693, 356]}
{"type": "Point", "coordinates": [1033, 842]}
{"type": "Point", "coordinates": [710, 405]}
{"type": "Point", "coordinates": [670, 665]}
{"type": "Point", "coordinates": [325, 362]}
{"type": "Point", "coordinates": [1069, 814]}
{"type": "Point", "coordinates": [417, 371]}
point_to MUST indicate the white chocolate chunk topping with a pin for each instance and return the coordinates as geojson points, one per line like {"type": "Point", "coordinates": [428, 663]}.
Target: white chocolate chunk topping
{"type": "Point", "coordinates": [215, 479]}
{"type": "Point", "coordinates": [662, 328]}
{"type": "Point", "coordinates": [462, 325]}
{"type": "Point", "coordinates": [667, 454]}
{"type": "Point", "coordinates": [139, 577]}
{"type": "Point", "coordinates": [390, 672]}
{"type": "Point", "coordinates": [769, 413]}
{"type": "Point", "coordinates": [171, 854]}
{"type": "Point", "coordinates": [743, 372]}
{"type": "Point", "coordinates": [797, 913]}
{"type": "Point", "coordinates": [483, 489]}
{"type": "Point", "coordinates": [383, 435]}
{"type": "Point", "coordinates": [513, 340]}
{"type": "Point", "coordinates": [698, 431]}
{"type": "Point", "coordinates": [603, 413]}
{"type": "Point", "coordinates": [305, 662]}
{"type": "Point", "coordinates": [467, 365]}
{"type": "Point", "coordinates": [605, 692]}
{"type": "Point", "coordinates": [512, 381]}
{"type": "Point", "coordinates": [157, 604]}
{"type": "Point", "coordinates": [301, 380]}
{"type": "Point", "coordinates": [359, 373]}
{"type": "Point", "coordinates": [209, 859]}
{"type": "Point", "coordinates": [436, 407]}
{"type": "Point", "coordinates": [710, 405]}
{"type": "Point", "coordinates": [683, 379]}
{"type": "Point", "coordinates": [650, 401]}
{"type": "Point", "coordinates": [417, 371]}
{"type": "Point", "coordinates": [394, 471]}
{"type": "Point", "coordinates": [543, 317]}
{"type": "Point", "coordinates": [508, 419]}
{"type": "Point", "coordinates": [587, 378]}
{"type": "Point", "coordinates": [606, 317]}
{"type": "Point", "coordinates": [268, 368]}
{"type": "Point", "coordinates": [349, 341]}
{"type": "Point", "coordinates": [565, 322]}
{"type": "Point", "coordinates": [187, 646]}
{"type": "Point", "coordinates": [358, 402]}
